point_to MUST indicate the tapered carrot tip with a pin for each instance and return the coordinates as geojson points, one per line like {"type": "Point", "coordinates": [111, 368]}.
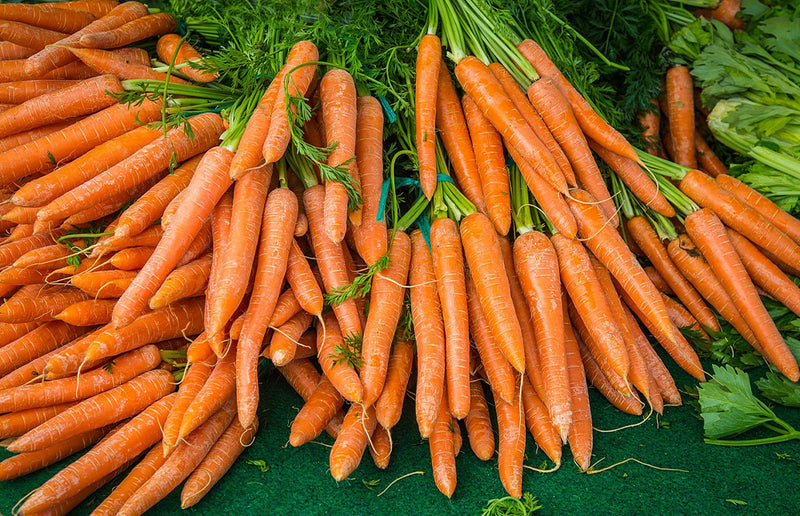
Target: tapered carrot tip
{"type": "Point", "coordinates": [281, 357]}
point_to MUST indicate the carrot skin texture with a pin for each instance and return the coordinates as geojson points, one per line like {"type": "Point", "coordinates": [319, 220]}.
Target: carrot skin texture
{"type": "Point", "coordinates": [168, 50]}
{"type": "Point", "coordinates": [19, 422]}
{"type": "Point", "coordinates": [273, 254]}
{"type": "Point", "coordinates": [491, 281]}
{"type": "Point", "coordinates": [341, 373]}
{"type": "Point", "coordinates": [315, 414]}
{"type": "Point", "coordinates": [217, 462]}
{"type": "Point", "coordinates": [284, 342]}
{"type": "Point", "coordinates": [479, 83]}
{"type": "Point", "coordinates": [219, 386]}
{"type": "Point", "coordinates": [389, 405]}
{"type": "Point", "coordinates": [479, 423]}
{"type": "Point", "coordinates": [426, 313]}
{"type": "Point", "coordinates": [442, 450]}
{"type": "Point", "coordinates": [511, 444]}
{"type": "Point", "coordinates": [538, 422]}
{"type": "Point", "coordinates": [133, 31]}
{"type": "Point", "coordinates": [193, 381]}
{"type": "Point", "coordinates": [580, 434]}
{"type": "Point", "coordinates": [707, 160]}
{"type": "Point", "coordinates": [537, 268]}
{"type": "Point", "coordinates": [359, 423]}
{"type": "Point", "coordinates": [181, 462]}
{"type": "Point", "coordinates": [680, 111]}
{"type": "Point", "coordinates": [47, 17]}
{"type": "Point", "coordinates": [386, 300]}
{"type": "Point", "coordinates": [38, 342]}
{"type": "Point", "coordinates": [706, 229]}
{"type": "Point", "coordinates": [448, 265]}
{"type": "Point", "coordinates": [429, 59]}
{"type": "Point", "coordinates": [302, 375]}
{"type": "Point", "coordinates": [99, 410]}
{"type": "Point", "coordinates": [302, 281]}
{"type": "Point", "coordinates": [142, 471]}
{"type": "Point", "coordinates": [123, 445]}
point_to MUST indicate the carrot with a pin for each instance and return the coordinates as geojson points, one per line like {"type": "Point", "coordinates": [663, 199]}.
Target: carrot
{"type": "Point", "coordinates": [426, 314]}
{"type": "Point", "coordinates": [456, 139]}
{"type": "Point", "coordinates": [193, 381]}
{"type": "Point", "coordinates": [87, 313]}
{"type": "Point", "coordinates": [219, 386]}
{"type": "Point", "coordinates": [123, 445]}
{"type": "Point", "coordinates": [18, 92]}
{"type": "Point", "coordinates": [708, 232]}
{"type": "Point", "coordinates": [286, 307]}
{"type": "Point", "coordinates": [650, 121]}
{"type": "Point", "coordinates": [628, 404]}
{"type": "Point", "coordinates": [142, 471]}
{"type": "Point", "coordinates": [320, 407]}
{"type": "Point", "coordinates": [608, 246]}
{"type": "Point", "coordinates": [680, 111]}
{"type": "Point", "coordinates": [726, 13]}
{"type": "Point", "coordinates": [330, 260]}
{"type": "Point", "coordinates": [335, 363]}
{"type": "Point", "coordinates": [131, 258]}
{"type": "Point", "coordinates": [707, 160]}
{"type": "Point", "coordinates": [386, 302]}
{"type": "Point", "coordinates": [14, 70]}
{"type": "Point", "coordinates": [49, 257]}
{"type": "Point", "coordinates": [448, 265]}
{"type": "Point", "coordinates": [302, 281]}
{"type": "Point", "coordinates": [64, 506]}
{"type": "Point", "coordinates": [70, 142]}
{"type": "Point", "coordinates": [108, 206]}
{"type": "Point", "coordinates": [75, 388]}
{"type": "Point", "coordinates": [359, 423]}
{"type": "Point", "coordinates": [277, 227]}
{"type": "Point", "coordinates": [553, 205]}
{"type": "Point", "coordinates": [51, 18]}
{"type": "Point", "coordinates": [389, 405]}
{"type": "Point", "coordinates": [583, 287]}
{"type": "Point", "coordinates": [249, 198]}
{"type": "Point", "coordinates": [249, 155]}
{"type": "Point", "coordinates": [580, 433]}
{"type": "Point", "coordinates": [180, 464]}
{"type": "Point", "coordinates": [217, 462]}
{"type": "Point", "coordinates": [150, 237]}
{"type": "Point", "coordinates": [283, 345]}
{"type": "Point", "coordinates": [32, 369]}
{"type": "Point", "coordinates": [761, 204]}
{"type": "Point", "coordinates": [381, 447]}
{"type": "Point", "coordinates": [186, 281]}
{"type": "Point", "coordinates": [42, 307]}
{"type": "Point", "coordinates": [682, 318]}
{"type": "Point", "coordinates": [14, 276]}
{"type": "Point", "coordinates": [649, 242]}
{"type": "Point", "coordinates": [532, 361]}
{"type": "Point", "coordinates": [10, 332]}
{"type": "Point", "coordinates": [178, 319]}
{"type": "Point", "coordinates": [20, 139]}
{"type": "Point", "coordinates": [499, 372]}
{"type": "Point", "coordinates": [171, 48]}
{"type": "Point", "coordinates": [492, 171]}
{"type": "Point", "coordinates": [656, 368]}
{"type": "Point", "coordinates": [84, 98]}
{"type": "Point", "coordinates": [133, 31]}
{"type": "Point", "coordinates": [479, 425]}
{"type": "Point", "coordinates": [693, 266]}
{"type": "Point", "coordinates": [538, 422]}
{"type": "Point", "coordinates": [591, 123]}
{"type": "Point", "coordinates": [9, 51]}
{"type": "Point", "coordinates": [298, 79]}
{"type": "Point", "coordinates": [370, 235]}
{"type": "Point", "coordinates": [20, 215]}
{"type": "Point", "coordinates": [429, 61]}
{"type": "Point", "coordinates": [107, 62]}
{"type": "Point", "coordinates": [479, 83]}
{"type": "Point", "coordinates": [537, 268]}
{"type": "Point", "coordinates": [511, 444]}
{"type": "Point", "coordinates": [52, 57]}
{"type": "Point", "coordinates": [104, 284]}
{"type": "Point", "coordinates": [303, 377]}
{"type": "Point", "coordinates": [19, 422]}
{"type": "Point", "coordinates": [24, 463]}
{"type": "Point", "coordinates": [766, 274]}
{"type": "Point", "coordinates": [36, 343]}
{"type": "Point", "coordinates": [107, 407]}
{"type": "Point", "coordinates": [442, 450]}
{"type": "Point", "coordinates": [33, 37]}
{"type": "Point", "coordinates": [199, 246]}
{"type": "Point", "coordinates": [306, 346]}
{"type": "Point", "coordinates": [486, 263]}
{"type": "Point", "coordinates": [220, 236]}
{"type": "Point", "coordinates": [98, 8]}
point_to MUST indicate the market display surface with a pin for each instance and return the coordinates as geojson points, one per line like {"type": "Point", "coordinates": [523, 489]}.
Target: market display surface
{"type": "Point", "coordinates": [455, 256]}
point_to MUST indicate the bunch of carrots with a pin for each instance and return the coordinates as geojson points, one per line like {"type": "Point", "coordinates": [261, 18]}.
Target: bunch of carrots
{"type": "Point", "coordinates": [149, 269]}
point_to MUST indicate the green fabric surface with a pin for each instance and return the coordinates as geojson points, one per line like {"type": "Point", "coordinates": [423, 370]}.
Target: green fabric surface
{"type": "Point", "coordinates": [298, 481]}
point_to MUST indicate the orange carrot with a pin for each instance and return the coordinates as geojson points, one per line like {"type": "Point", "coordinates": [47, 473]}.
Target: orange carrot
{"type": "Point", "coordinates": [649, 242]}
{"type": "Point", "coordinates": [193, 381]}
{"type": "Point", "coordinates": [171, 48]}
{"type": "Point", "coordinates": [277, 228]}
{"type": "Point", "coordinates": [650, 121]}
{"type": "Point", "coordinates": [319, 409]}
{"type": "Point", "coordinates": [87, 313]}
{"type": "Point", "coordinates": [359, 423]}
{"type": "Point", "coordinates": [479, 425]}
{"type": "Point", "coordinates": [42, 307]}
{"type": "Point", "coordinates": [628, 404]}
{"type": "Point", "coordinates": [381, 447]}
{"type": "Point", "coordinates": [334, 362]}
{"type": "Point", "coordinates": [133, 31]}
{"type": "Point", "coordinates": [708, 232]}
{"type": "Point", "coordinates": [284, 342]}
{"type": "Point", "coordinates": [20, 139]}
{"type": "Point", "coordinates": [186, 281]}
{"type": "Point", "coordinates": [21, 91]}
{"type": "Point", "coordinates": [142, 471]}
{"type": "Point", "coordinates": [511, 444]}
{"type": "Point", "coordinates": [107, 407]}
{"type": "Point", "coordinates": [131, 258]}
{"type": "Point", "coordinates": [538, 422]}
{"type": "Point", "coordinates": [303, 377]}
{"type": "Point", "coordinates": [36, 343]}
{"type": "Point", "coordinates": [9, 51]}
{"type": "Point", "coordinates": [386, 302]}
{"type": "Point", "coordinates": [51, 18]}
{"type": "Point", "coordinates": [19, 422]}
{"type": "Point", "coordinates": [68, 143]}
{"type": "Point", "coordinates": [31, 36]}
{"type": "Point", "coordinates": [680, 111]}
{"type": "Point", "coordinates": [217, 462]}
{"type": "Point", "coordinates": [123, 445]}
{"type": "Point", "coordinates": [479, 83]}
{"type": "Point", "coordinates": [370, 235]}
{"type": "Point", "coordinates": [389, 405]}
{"type": "Point", "coordinates": [104, 284]}
{"type": "Point", "coordinates": [180, 464]}
{"type": "Point", "coordinates": [580, 434]}
{"type": "Point", "coordinates": [706, 158]}
{"type": "Point", "coordinates": [286, 307]}
{"type": "Point", "coordinates": [429, 60]}
{"type": "Point", "coordinates": [10, 332]}
{"type": "Point", "coordinates": [456, 139]}
{"type": "Point", "coordinates": [74, 388]}
{"type": "Point", "coordinates": [219, 386]}
{"type": "Point", "coordinates": [302, 281]}
{"type": "Point", "coordinates": [442, 450]}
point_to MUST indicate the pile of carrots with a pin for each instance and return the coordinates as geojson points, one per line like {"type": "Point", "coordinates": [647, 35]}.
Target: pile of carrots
{"type": "Point", "coordinates": [148, 270]}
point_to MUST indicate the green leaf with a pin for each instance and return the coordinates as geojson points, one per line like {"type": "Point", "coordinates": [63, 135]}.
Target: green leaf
{"type": "Point", "coordinates": [779, 389]}
{"type": "Point", "coordinates": [260, 464]}
{"type": "Point", "coordinates": [510, 506]}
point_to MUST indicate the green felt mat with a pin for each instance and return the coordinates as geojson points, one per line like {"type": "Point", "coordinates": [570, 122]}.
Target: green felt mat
{"type": "Point", "coordinates": [717, 480]}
